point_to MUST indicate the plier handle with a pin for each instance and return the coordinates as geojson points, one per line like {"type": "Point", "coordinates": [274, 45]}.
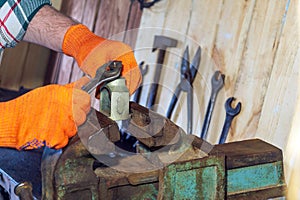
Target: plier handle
{"type": "Point", "coordinates": [188, 73]}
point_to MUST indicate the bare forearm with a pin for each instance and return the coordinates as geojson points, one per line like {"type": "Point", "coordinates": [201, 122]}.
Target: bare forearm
{"type": "Point", "coordinates": [48, 28]}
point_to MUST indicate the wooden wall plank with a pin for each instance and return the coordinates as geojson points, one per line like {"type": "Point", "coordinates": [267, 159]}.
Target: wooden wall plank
{"type": "Point", "coordinates": [292, 148]}
{"type": "Point", "coordinates": [151, 24]}
{"type": "Point", "coordinates": [203, 25]}
{"type": "Point", "coordinates": [279, 121]}
{"type": "Point", "coordinates": [11, 69]}
{"type": "Point", "coordinates": [119, 21]}
{"type": "Point", "coordinates": [66, 66]}
{"type": "Point", "coordinates": [56, 4]}
{"type": "Point", "coordinates": [112, 19]}
{"type": "Point", "coordinates": [35, 65]}
{"type": "Point", "coordinates": [286, 135]}
{"type": "Point", "coordinates": [134, 20]}
{"type": "Point", "coordinates": [53, 68]}
{"type": "Point", "coordinates": [260, 49]}
{"type": "Point", "coordinates": [202, 32]}
{"type": "Point", "coordinates": [281, 97]}
{"type": "Point", "coordinates": [174, 27]}
{"type": "Point", "coordinates": [226, 56]}
{"type": "Point", "coordinates": [88, 18]}
{"type": "Point", "coordinates": [102, 24]}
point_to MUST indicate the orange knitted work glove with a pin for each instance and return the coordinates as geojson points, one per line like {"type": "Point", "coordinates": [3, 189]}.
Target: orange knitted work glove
{"type": "Point", "coordinates": [45, 116]}
{"type": "Point", "coordinates": [92, 51]}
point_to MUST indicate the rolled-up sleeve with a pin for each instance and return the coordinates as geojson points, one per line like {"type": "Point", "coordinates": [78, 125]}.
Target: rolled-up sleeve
{"type": "Point", "coordinates": [15, 16]}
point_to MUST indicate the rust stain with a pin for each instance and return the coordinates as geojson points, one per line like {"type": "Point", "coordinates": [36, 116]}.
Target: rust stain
{"type": "Point", "coordinates": [218, 58]}
{"type": "Point", "coordinates": [249, 129]}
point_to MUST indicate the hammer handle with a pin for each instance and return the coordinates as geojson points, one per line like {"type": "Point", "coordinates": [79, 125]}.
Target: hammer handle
{"type": "Point", "coordinates": [154, 85]}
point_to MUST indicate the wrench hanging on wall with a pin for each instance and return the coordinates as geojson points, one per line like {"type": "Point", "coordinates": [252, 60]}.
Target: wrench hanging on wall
{"type": "Point", "coordinates": [217, 82]}
{"type": "Point", "coordinates": [231, 112]}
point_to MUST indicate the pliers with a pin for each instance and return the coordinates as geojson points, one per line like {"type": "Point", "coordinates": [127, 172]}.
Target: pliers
{"type": "Point", "coordinates": [188, 73]}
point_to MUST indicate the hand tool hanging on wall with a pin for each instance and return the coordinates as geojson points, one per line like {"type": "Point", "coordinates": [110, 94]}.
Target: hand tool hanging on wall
{"type": "Point", "coordinates": [146, 4]}
{"type": "Point", "coordinates": [230, 114]}
{"type": "Point", "coordinates": [217, 82]}
{"type": "Point", "coordinates": [137, 94]}
{"type": "Point", "coordinates": [161, 43]}
{"type": "Point", "coordinates": [188, 74]}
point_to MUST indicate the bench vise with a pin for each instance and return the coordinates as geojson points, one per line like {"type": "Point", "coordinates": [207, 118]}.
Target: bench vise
{"type": "Point", "coordinates": [166, 164]}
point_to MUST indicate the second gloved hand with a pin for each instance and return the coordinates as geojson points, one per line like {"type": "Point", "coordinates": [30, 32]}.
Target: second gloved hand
{"type": "Point", "coordinates": [44, 116]}
{"type": "Point", "coordinates": [92, 51]}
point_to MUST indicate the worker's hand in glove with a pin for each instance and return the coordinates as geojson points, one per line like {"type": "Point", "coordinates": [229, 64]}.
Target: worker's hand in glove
{"type": "Point", "coordinates": [92, 51]}
{"type": "Point", "coordinates": [44, 116]}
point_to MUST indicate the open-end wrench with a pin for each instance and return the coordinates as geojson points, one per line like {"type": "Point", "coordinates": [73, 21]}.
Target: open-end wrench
{"type": "Point", "coordinates": [217, 82]}
{"type": "Point", "coordinates": [230, 114]}
{"type": "Point", "coordinates": [106, 72]}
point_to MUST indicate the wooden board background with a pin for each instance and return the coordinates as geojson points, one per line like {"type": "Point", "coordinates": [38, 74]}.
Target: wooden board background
{"type": "Point", "coordinates": [254, 43]}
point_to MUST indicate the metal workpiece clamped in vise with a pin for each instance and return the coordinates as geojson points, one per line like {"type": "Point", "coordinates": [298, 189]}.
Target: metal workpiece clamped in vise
{"type": "Point", "coordinates": [114, 100]}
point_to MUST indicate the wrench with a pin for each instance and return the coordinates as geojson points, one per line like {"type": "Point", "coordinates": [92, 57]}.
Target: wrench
{"type": "Point", "coordinates": [230, 114]}
{"type": "Point", "coordinates": [217, 82]}
{"type": "Point", "coordinates": [106, 72]}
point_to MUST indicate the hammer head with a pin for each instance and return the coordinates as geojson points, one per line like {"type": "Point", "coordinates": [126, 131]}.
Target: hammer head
{"type": "Point", "coordinates": [163, 42]}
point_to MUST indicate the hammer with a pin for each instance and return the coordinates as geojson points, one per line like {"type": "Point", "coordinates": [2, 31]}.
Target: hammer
{"type": "Point", "coordinates": [161, 43]}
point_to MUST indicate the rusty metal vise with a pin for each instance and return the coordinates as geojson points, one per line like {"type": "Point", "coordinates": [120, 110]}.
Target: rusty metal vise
{"type": "Point", "coordinates": [167, 164]}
